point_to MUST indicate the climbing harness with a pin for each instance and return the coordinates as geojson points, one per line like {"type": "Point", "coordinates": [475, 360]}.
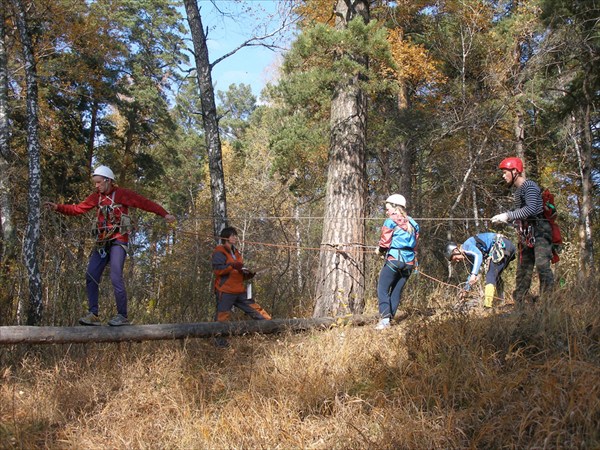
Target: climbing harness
{"type": "Point", "coordinates": [110, 220]}
{"type": "Point", "coordinates": [496, 252]}
{"type": "Point", "coordinates": [103, 247]}
{"type": "Point", "coordinates": [404, 271]}
{"type": "Point", "coordinates": [525, 233]}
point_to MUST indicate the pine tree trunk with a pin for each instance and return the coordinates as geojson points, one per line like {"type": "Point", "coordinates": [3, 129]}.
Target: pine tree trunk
{"type": "Point", "coordinates": [209, 117]}
{"type": "Point", "coordinates": [32, 231]}
{"type": "Point", "coordinates": [406, 155]}
{"type": "Point", "coordinates": [341, 273]}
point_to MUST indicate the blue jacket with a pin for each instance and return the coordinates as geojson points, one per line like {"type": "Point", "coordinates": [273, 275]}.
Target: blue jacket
{"type": "Point", "coordinates": [400, 243]}
{"type": "Point", "coordinates": [469, 247]}
{"type": "Point", "coordinates": [474, 254]}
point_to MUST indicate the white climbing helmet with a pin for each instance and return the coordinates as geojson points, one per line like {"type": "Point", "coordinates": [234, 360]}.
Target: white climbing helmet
{"type": "Point", "coordinates": [104, 171]}
{"type": "Point", "coordinates": [396, 199]}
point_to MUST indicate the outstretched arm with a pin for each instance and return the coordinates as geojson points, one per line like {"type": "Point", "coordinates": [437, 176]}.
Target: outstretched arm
{"type": "Point", "coordinates": [74, 210]}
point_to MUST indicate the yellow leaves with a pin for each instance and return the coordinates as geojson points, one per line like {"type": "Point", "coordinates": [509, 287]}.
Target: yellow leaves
{"type": "Point", "coordinates": [475, 15]}
{"type": "Point", "coordinates": [413, 62]}
{"type": "Point", "coordinates": [315, 11]}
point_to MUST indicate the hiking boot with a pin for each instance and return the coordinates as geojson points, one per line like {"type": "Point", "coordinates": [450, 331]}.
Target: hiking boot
{"type": "Point", "coordinates": [383, 324]}
{"type": "Point", "coordinates": [221, 342]}
{"type": "Point", "coordinates": [118, 320]}
{"type": "Point", "coordinates": [91, 320]}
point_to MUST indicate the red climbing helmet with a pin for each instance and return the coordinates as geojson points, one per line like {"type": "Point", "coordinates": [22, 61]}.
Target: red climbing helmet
{"type": "Point", "coordinates": [512, 163]}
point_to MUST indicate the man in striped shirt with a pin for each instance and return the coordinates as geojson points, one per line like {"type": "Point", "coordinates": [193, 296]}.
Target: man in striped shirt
{"type": "Point", "coordinates": [535, 233]}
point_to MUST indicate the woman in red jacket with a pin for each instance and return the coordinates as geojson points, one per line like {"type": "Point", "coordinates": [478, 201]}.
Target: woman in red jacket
{"type": "Point", "coordinates": [112, 237]}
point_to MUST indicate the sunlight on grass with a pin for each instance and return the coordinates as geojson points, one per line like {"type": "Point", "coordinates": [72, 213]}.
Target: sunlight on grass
{"type": "Point", "coordinates": [521, 378]}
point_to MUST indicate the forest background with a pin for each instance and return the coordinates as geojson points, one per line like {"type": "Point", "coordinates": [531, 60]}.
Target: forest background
{"type": "Point", "coordinates": [450, 89]}
{"type": "Point", "coordinates": [372, 98]}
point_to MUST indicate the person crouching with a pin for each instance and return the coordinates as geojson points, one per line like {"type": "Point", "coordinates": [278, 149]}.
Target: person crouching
{"type": "Point", "coordinates": [230, 274]}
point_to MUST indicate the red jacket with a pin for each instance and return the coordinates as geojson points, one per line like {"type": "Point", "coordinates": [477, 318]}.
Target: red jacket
{"type": "Point", "coordinates": [227, 279]}
{"type": "Point", "coordinates": [110, 208]}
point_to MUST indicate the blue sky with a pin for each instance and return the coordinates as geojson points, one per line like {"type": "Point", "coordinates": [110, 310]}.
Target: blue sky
{"type": "Point", "coordinates": [251, 65]}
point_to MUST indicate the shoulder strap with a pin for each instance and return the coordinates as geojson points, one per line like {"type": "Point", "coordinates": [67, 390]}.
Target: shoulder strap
{"type": "Point", "coordinates": [111, 197]}
{"type": "Point", "coordinates": [481, 245]}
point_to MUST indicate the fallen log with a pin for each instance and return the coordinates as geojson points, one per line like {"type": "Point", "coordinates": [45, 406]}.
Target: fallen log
{"type": "Point", "coordinates": [85, 334]}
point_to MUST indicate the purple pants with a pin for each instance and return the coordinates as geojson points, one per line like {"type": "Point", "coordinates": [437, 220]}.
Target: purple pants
{"type": "Point", "coordinates": [114, 253]}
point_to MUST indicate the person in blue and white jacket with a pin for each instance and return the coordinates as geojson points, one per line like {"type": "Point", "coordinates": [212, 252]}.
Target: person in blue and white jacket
{"type": "Point", "coordinates": [397, 245]}
{"type": "Point", "coordinates": [477, 249]}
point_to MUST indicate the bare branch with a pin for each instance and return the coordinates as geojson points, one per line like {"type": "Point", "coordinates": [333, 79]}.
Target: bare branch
{"type": "Point", "coordinates": [255, 41]}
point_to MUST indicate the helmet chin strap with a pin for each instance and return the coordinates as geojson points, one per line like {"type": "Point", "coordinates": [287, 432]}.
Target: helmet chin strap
{"type": "Point", "coordinates": [513, 178]}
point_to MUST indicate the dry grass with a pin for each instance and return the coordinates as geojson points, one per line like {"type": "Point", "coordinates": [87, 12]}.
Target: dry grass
{"type": "Point", "coordinates": [523, 379]}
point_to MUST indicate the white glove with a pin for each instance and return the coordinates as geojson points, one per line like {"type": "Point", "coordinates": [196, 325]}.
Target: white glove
{"type": "Point", "coordinates": [500, 218]}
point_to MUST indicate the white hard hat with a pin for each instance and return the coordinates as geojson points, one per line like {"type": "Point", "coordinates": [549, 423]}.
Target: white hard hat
{"type": "Point", "coordinates": [105, 172]}
{"type": "Point", "coordinates": [396, 199]}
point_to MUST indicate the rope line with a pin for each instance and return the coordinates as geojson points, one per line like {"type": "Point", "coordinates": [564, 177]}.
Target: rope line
{"type": "Point", "coordinates": [420, 219]}
{"type": "Point", "coordinates": [331, 247]}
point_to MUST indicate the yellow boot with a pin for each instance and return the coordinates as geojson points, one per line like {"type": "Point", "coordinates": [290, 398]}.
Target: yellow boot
{"type": "Point", "coordinates": [488, 298]}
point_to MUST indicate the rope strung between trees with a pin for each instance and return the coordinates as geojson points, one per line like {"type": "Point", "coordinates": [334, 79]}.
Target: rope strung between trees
{"type": "Point", "coordinates": [329, 247]}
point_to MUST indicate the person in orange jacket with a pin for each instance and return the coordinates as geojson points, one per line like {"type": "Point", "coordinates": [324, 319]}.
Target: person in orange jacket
{"type": "Point", "coordinates": [230, 275]}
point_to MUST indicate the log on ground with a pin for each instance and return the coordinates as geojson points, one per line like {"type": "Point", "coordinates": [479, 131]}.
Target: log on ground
{"type": "Point", "coordinates": [82, 334]}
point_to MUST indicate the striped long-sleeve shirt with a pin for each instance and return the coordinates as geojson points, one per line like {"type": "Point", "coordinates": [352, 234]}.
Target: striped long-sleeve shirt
{"type": "Point", "coordinates": [527, 202]}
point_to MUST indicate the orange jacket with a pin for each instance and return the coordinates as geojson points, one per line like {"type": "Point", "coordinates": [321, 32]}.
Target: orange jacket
{"type": "Point", "coordinates": [227, 279]}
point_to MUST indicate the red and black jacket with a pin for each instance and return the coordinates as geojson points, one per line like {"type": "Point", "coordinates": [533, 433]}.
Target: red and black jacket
{"type": "Point", "coordinates": [110, 209]}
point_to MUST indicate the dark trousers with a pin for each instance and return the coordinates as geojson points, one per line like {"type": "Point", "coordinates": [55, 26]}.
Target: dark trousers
{"type": "Point", "coordinates": [225, 302]}
{"type": "Point", "coordinates": [495, 270]}
{"type": "Point", "coordinates": [539, 256]}
{"type": "Point", "coordinates": [114, 254]}
{"type": "Point", "coordinates": [392, 278]}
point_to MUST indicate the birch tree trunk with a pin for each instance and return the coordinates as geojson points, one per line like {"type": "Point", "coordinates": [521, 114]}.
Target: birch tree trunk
{"type": "Point", "coordinates": [341, 272]}
{"type": "Point", "coordinates": [8, 244]}
{"type": "Point", "coordinates": [209, 117]}
{"type": "Point", "coordinates": [32, 231]}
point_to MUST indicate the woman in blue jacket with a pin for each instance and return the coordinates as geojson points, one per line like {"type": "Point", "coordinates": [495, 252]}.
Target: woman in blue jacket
{"type": "Point", "coordinates": [399, 236]}
{"type": "Point", "coordinates": [491, 247]}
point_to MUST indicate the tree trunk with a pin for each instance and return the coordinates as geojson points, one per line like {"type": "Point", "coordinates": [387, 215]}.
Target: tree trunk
{"type": "Point", "coordinates": [92, 138]}
{"type": "Point", "coordinates": [584, 158]}
{"type": "Point", "coordinates": [209, 117]}
{"type": "Point", "coordinates": [341, 273]}
{"type": "Point", "coordinates": [406, 156]}
{"type": "Point", "coordinates": [32, 231]}
{"type": "Point", "coordinates": [8, 244]}
{"type": "Point", "coordinates": [519, 135]}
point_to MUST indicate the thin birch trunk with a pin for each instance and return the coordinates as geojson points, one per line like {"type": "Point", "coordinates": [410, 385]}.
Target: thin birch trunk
{"type": "Point", "coordinates": [8, 244]}
{"type": "Point", "coordinates": [32, 231]}
{"type": "Point", "coordinates": [584, 160]}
